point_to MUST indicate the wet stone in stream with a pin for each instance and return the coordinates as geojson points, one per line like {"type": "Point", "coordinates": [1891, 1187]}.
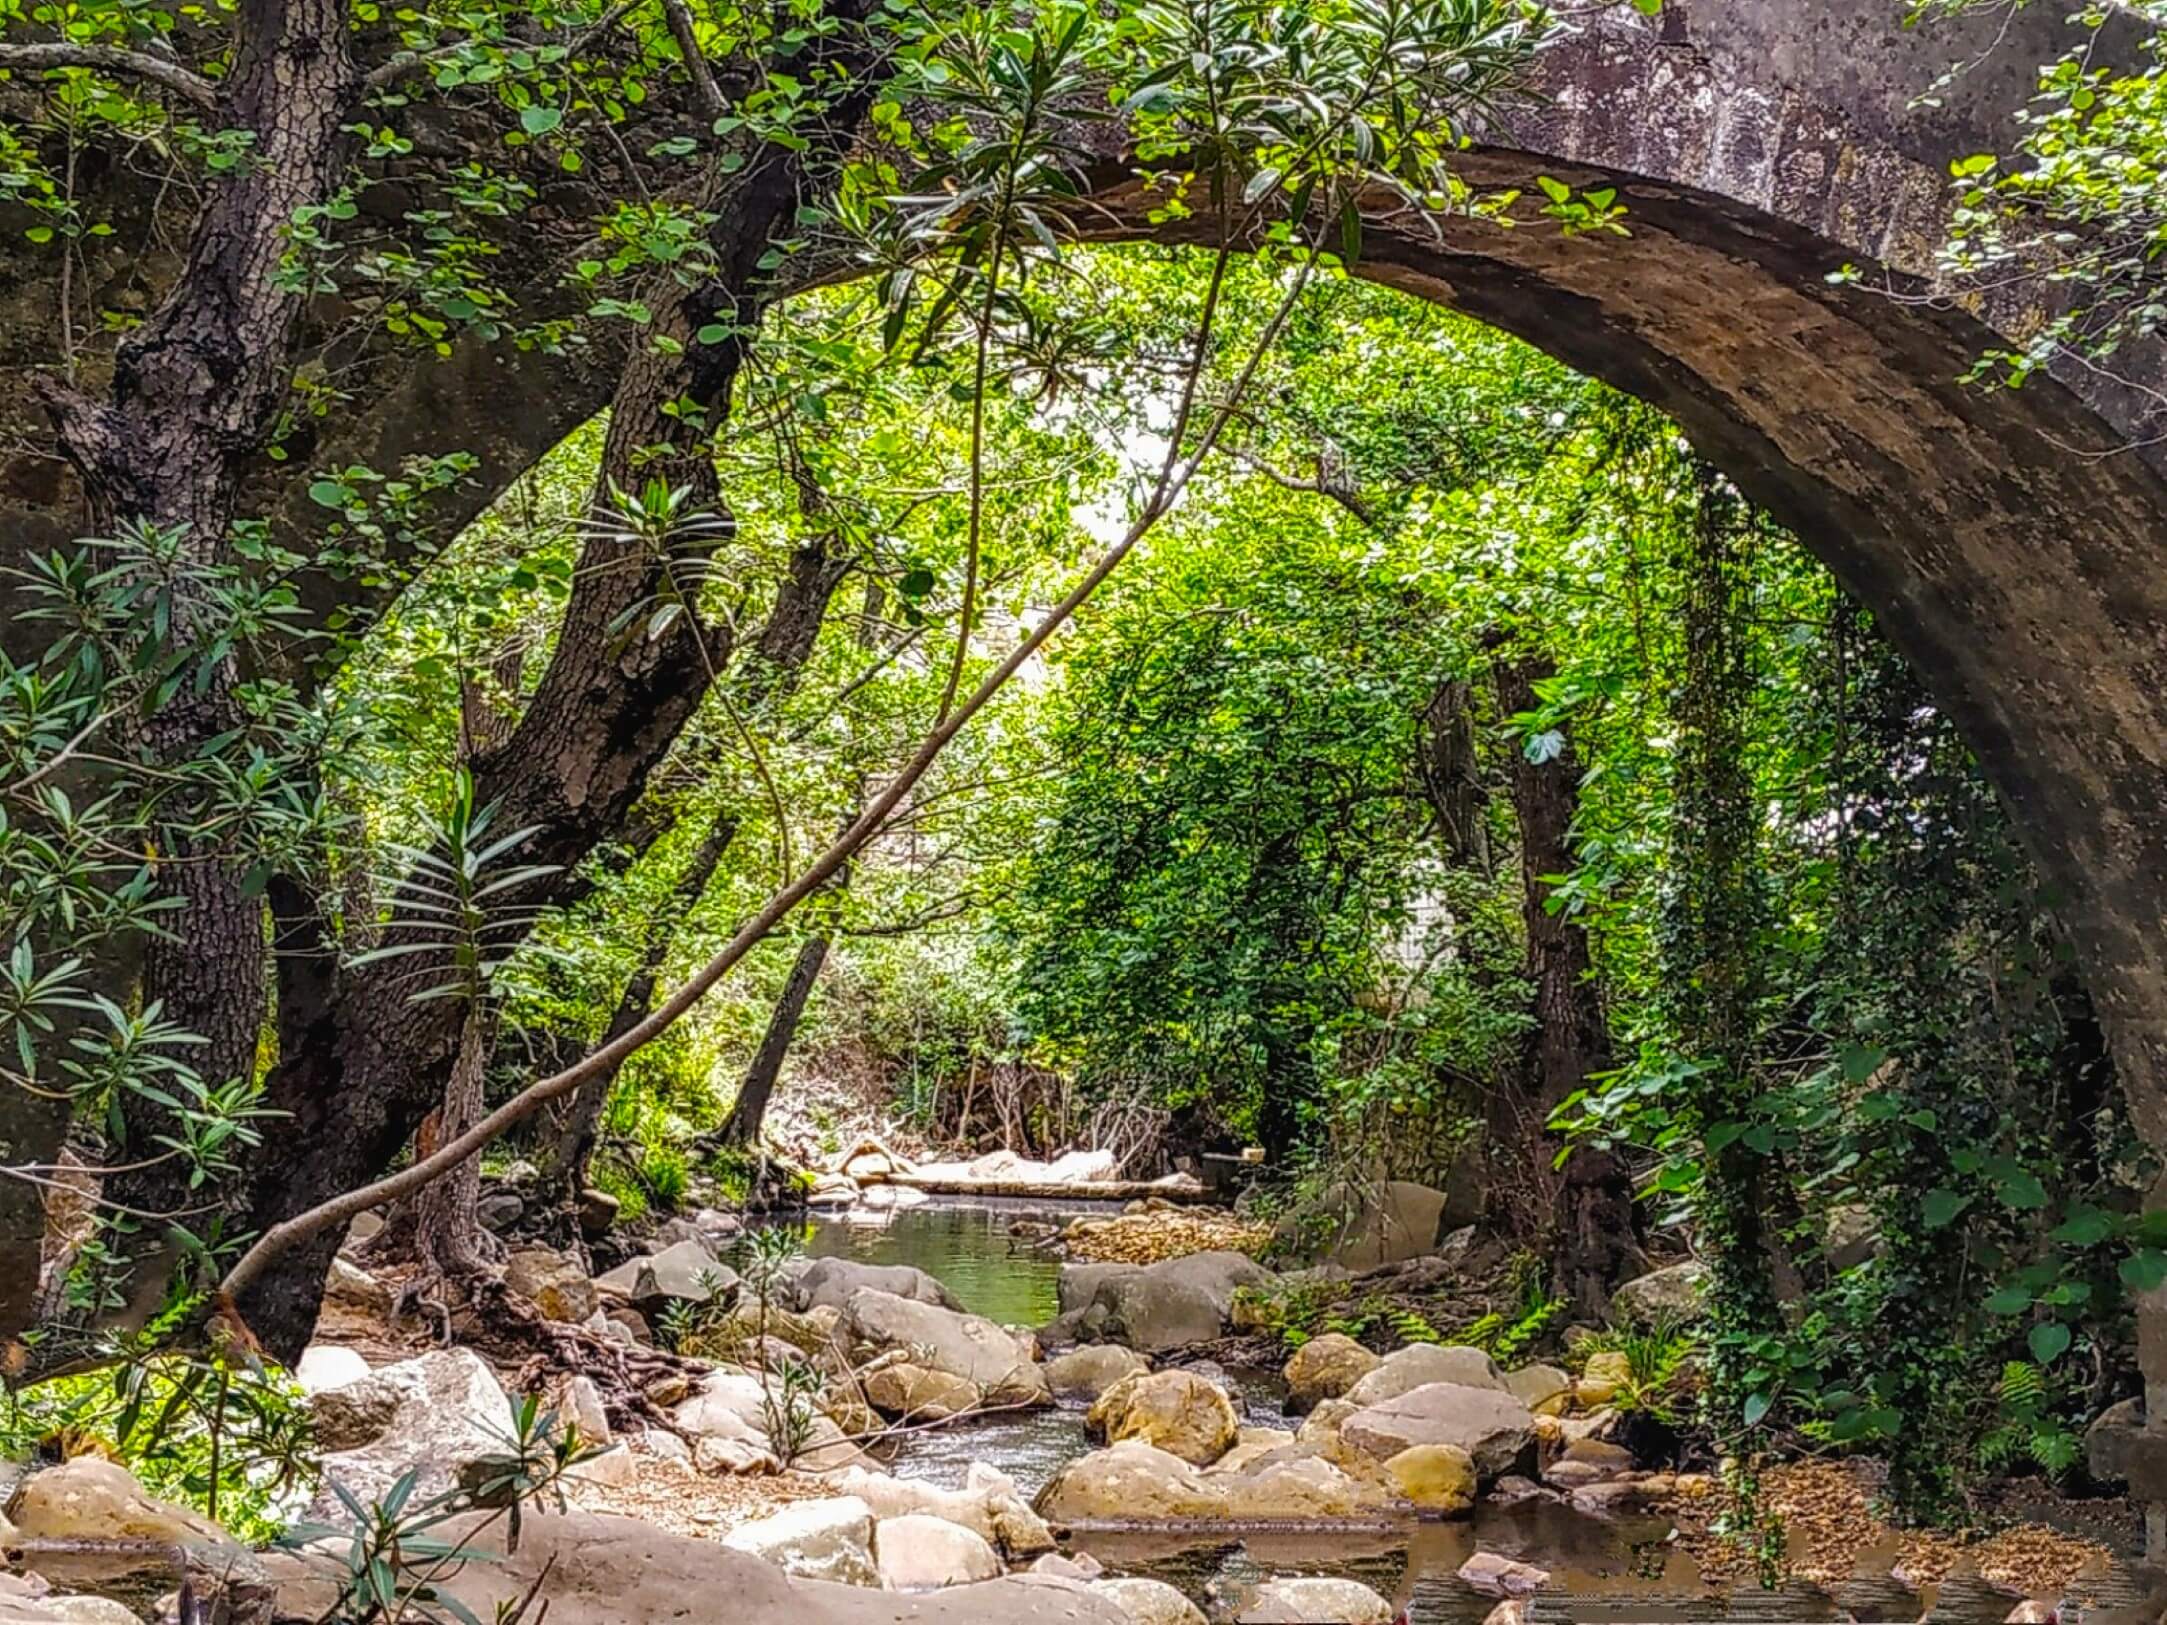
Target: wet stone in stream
{"type": "Point", "coordinates": [1604, 1573]}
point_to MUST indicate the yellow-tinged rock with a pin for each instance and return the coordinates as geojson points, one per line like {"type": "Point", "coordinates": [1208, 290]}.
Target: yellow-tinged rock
{"type": "Point", "coordinates": [1434, 1477]}
{"type": "Point", "coordinates": [1175, 1411]}
{"type": "Point", "coordinates": [1325, 1368]}
{"type": "Point", "coordinates": [1602, 1379]}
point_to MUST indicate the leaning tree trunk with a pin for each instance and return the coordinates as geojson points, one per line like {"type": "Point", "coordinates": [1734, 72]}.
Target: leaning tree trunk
{"type": "Point", "coordinates": [1585, 1208]}
{"type": "Point", "coordinates": [749, 1111]}
{"type": "Point", "coordinates": [575, 1141]}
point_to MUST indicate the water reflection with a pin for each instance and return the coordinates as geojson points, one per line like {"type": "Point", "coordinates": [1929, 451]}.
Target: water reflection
{"type": "Point", "coordinates": [1603, 1573]}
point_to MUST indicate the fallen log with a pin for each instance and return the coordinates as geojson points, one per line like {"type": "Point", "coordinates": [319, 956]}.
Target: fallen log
{"type": "Point", "coordinates": [1049, 1190]}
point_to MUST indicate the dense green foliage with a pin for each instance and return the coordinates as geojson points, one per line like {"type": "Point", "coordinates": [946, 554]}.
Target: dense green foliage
{"type": "Point", "coordinates": [1238, 856]}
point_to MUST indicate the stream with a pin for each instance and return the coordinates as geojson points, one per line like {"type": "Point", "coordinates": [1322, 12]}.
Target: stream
{"type": "Point", "coordinates": [1604, 1573]}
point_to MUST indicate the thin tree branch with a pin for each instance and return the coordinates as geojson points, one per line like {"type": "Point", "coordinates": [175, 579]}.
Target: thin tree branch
{"type": "Point", "coordinates": [704, 89]}
{"type": "Point", "coordinates": [1174, 477]}
{"type": "Point", "coordinates": [113, 59]}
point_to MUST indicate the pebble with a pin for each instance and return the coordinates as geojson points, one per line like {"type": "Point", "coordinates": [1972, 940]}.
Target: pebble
{"type": "Point", "coordinates": [1146, 1238]}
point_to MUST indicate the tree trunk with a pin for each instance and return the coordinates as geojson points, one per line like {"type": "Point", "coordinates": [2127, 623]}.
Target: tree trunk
{"type": "Point", "coordinates": [575, 1141]}
{"type": "Point", "coordinates": [747, 1114]}
{"type": "Point", "coordinates": [1586, 1209]}
{"type": "Point", "coordinates": [440, 1227]}
{"type": "Point", "coordinates": [194, 390]}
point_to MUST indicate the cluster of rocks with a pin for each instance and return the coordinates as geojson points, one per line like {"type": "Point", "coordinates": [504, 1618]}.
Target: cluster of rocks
{"type": "Point", "coordinates": [1421, 1432]}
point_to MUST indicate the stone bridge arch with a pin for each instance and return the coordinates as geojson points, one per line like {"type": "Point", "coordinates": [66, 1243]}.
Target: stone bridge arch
{"type": "Point", "coordinates": [2011, 543]}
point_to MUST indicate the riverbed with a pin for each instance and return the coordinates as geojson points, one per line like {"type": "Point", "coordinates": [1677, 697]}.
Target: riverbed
{"type": "Point", "coordinates": [1604, 1573]}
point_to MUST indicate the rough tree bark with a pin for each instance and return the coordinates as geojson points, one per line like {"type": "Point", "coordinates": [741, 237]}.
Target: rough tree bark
{"type": "Point", "coordinates": [1586, 1208]}
{"type": "Point", "coordinates": [767, 673]}
{"type": "Point", "coordinates": [366, 1067]}
{"type": "Point", "coordinates": [193, 393]}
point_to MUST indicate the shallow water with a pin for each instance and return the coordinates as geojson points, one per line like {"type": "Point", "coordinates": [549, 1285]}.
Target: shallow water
{"type": "Point", "coordinates": [965, 1245]}
{"type": "Point", "coordinates": [1603, 1573]}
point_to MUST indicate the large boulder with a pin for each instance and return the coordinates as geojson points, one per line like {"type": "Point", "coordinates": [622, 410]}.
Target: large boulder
{"type": "Point", "coordinates": [1487, 1423]}
{"type": "Point", "coordinates": [1077, 1285]}
{"type": "Point", "coordinates": [1150, 1602]}
{"type": "Point", "coordinates": [1361, 1229]}
{"type": "Point", "coordinates": [726, 1419]}
{"type": "Point", "coordinates": [1544, 1389]}
{"type": "Point", "coordinates": [1130, 1483]}
{"type": "Point", "coordinates": [1437, 1478]}
{"type": "Point", "coordinates": [1087, 1372]}
{"type": "Point", "coordinates": [913, 1393]}
{"type": "Point", "coordinates": [555, 1284]}
{"type": "Point", "coordinates": [685, 1271]}
{"type": "Point", "coordinates": [1325, 1368]}
{"type": "Point", "coordinates": [829, 1539]}
{"type": "Point", "coordinates": [831, 1281]}
{"type": "Point", "coordinates": [1667, 1294]}
{"type": "Point", "coordinates": [1420, 1364]}
{"type": "Point", "coordinates": [967, 1346]}
{"type": "Point", "coordinates": [1316, 1601]}
{"type": "Point", "coordinates": [1160, 1306]}
{"type": "Point", "coordinates": [1309, 1488]}
{"type": "Point", "coordinates": [438, 1412]}
{"type": "Point", "coordinates": [90, 1499]}
{"type": "Point", "coordinates": [2110, 1443]}
{"type": "Point", "coordinates": [1253, 1444]}
{"type": "Point", "coordinates": [1178, 1411]}
{"type": "Point", "coordinates": [328, 1365]}
{"type": "Point", "coordinates": [987, 1505]}
{"type": "Point", "coordinates": [918, 1553]}
{"type": "Point", "coordinates": [603, 1570]}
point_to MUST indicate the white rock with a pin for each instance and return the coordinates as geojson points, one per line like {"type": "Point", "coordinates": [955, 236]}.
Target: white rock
{"type": "Point", "coordinates": [1496, 1576]}
{"type": "Point", "coordinates": [580, 1403]}
{"type": "Point", "coordinates": [436, 1413]}
{"type": "Point", "coordinates": [616, 1467]}
{"type": "Point", "coordinates": [1420, 1364]}
{"type": "Point", "coordinates": [918, 1553]}
{"type": "Point", "coordinates": [1150, 1602]}
{"type": "Point", "coordinates": [1309, 1601]}
{"type": "Point", "coordinates": [327, 1365]}
{"type": "Point", "coordinates": [815, 1540]}
{"type": "Point", "coordinates": [355, 1287]}
{"type": "Point", "coordinates": [988, 1505]}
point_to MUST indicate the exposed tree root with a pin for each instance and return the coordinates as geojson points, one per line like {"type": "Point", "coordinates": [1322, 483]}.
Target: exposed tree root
{"type": "Point", "coordinates": [507, 1328]}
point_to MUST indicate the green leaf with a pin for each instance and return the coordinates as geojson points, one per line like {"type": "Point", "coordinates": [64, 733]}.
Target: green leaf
{"type": "Point", "coordinates": [1555, 190]}
{"type": "Point", "coordinates": [1757, 1406]}
{"type": "Point", "coordinates": [2086, 1226]}
{"type": "Point", "coordinates": [539, 120]}
{"type": "Point", "coordinates": [2145, 1270]}
{"type": "Point", "coordinates": [1649, 8]}
{"type": "Point", "coordinates": [2048, 1342]}
{"type": "Point", "coordinates": [1941, 1207]}
{"type": "Point", "coordinates": [2009, 1300]}
{"type": "Point", "coordinates": [328, 494]}
{"type": "Point", "coordinates": [2022, 1190]}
